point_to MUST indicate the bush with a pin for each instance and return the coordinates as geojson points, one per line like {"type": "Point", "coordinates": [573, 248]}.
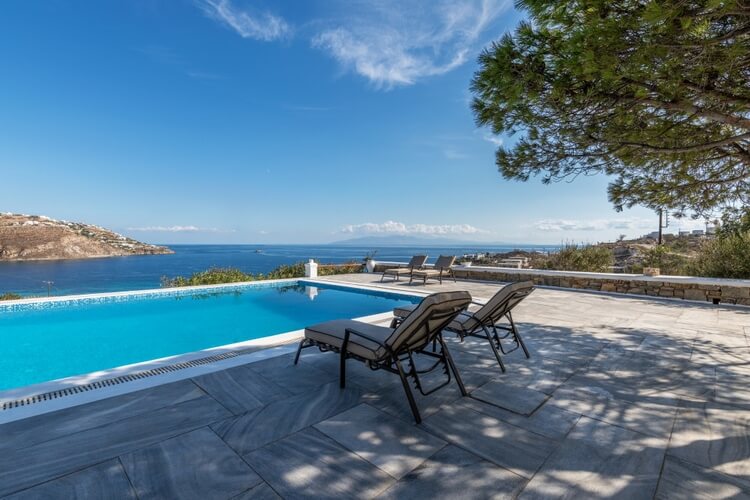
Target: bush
{"type": "Point", "coordinates": [669, 263]}
{"type": "Point", "coordinates": [219, 275]}
{"type": "Point", "coordinates": [10, 296]}
{"type": "Point", "coordinates": [725, 257]}
{"type": "Point", "coordinates": [573, 257]}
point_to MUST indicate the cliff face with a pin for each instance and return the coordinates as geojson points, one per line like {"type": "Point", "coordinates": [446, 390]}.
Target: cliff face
{"type": "Point", "coordinates": [33, 237]}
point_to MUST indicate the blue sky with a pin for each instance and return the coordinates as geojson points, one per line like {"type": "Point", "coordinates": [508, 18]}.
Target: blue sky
{"type": "Point", "coordinates": [229, 121]}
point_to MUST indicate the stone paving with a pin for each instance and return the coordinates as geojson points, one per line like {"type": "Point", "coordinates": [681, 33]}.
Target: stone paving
{"type": "Point", "coordinates": [622, 397]}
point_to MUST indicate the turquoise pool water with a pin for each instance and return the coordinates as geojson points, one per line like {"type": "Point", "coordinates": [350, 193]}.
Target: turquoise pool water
{"type": "Point", "coordinates": [47, 341]}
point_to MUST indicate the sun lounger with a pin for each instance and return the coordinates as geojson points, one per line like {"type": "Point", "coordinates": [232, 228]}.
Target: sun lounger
{"type": "Point", "coordinates": [483, 322]}
{"type": "Point", "coordinates": [395, 349]}
{"type": "Point", "coordinates": [416, 262]}
{"type": "Point", "coordinates": [442, 268]}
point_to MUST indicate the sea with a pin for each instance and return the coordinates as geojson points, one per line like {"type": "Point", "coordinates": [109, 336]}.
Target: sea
{"type": "Point", "coordinates": [139, 272]}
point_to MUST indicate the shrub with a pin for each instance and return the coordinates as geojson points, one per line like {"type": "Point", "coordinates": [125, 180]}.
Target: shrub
{"type": "Point", "coordinates": [573, 257]}
{"type": "Point", "coordinates": [219, 275]}
{"type": "Point", "coordinates": [10, 296]}
{"type": "Point", "coordinates": [725, 257]}
{"type": "Point", "coordinates": [669, 263]}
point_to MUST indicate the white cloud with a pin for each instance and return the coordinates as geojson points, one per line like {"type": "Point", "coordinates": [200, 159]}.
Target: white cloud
{"type": "Point", "coordinates": [452, 154]}
{"type": "Point", "coordinates": [398, 42]}
{"type": "Point", "coordinates": [592, 224]}
{"type": "Point", "coordinates": [497, 141]}
{"type": "Point", "coordinates": [393, 227]}
{"type": "Point", "coordinates": [176, 229]}
{"type": "Point", "coordinates": [247, 23]}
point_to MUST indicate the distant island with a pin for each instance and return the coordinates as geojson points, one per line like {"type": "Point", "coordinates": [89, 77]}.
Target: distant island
{"type": "Point", "coordinates": [36, 237]}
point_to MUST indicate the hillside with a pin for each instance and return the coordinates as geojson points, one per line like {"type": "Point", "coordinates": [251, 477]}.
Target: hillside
{"type": "Point", "coordinates": [35, 237]}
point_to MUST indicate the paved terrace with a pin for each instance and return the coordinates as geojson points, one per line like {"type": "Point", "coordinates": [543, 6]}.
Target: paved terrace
{"type": "Point", "coordinates": [623, 396]}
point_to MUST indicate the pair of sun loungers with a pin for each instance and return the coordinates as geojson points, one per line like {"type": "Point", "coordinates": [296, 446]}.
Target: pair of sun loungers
{"type": "Point", "coordinates": [416, 269]}
{"type": "Point", "coordinates": [418, 332]}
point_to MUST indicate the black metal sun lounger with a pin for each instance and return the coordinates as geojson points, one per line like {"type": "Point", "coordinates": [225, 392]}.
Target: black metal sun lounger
{"type": "Point", "coordinates": [442, 268]}
{"type": "Point", "coordinates": [483, 323]}
{"type": "Point", "coordinates": [394, 349]}
{"type": "Point", "coordinates": [416, 262]}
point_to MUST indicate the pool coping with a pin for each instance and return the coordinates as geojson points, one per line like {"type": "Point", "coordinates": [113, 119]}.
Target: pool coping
{"type": "Point", "coordinates": [32, 400]}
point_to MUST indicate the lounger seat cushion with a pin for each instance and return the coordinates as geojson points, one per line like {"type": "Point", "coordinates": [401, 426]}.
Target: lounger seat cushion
{"type": "Point", "coordinates": [429, 272]}
{"type": "Point", "coordinates": [332, 333]}
{"type": "Point", "coordinates": [398, 270]}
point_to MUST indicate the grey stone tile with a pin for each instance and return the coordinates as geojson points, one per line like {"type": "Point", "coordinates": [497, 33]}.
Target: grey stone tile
{"type": "Point", "coordinates": [684, 480]}
{"type": "Point", "coordinates": [389, 443]}
{"type": "Point", "coordinates": [240, 389]}
{"type": "Point", "coordinates": [654, 416]}
{"type": "Point", "coordinates": [456, 473]}
{"type": "Point", "coordinates": [549, 420]}
{"type": "Point", "coordinates": [51, 459]}
{"type": "Point", "coordinates": [194, 465]}
{"type": "Point", "coordinates": [309, 464]}
{"type": "Point", "coordinates": [541, 374]}
{"type": "Point", "coordinates": [514, 448]}
{"type": "Point", "coordinates": [106, 480]}
{"type": "Point", "coordinates": [286, 416]}
{"type": "Point", "coordinates": [394, 402]}
{"type": "Point", "coordinates": [731, 388]}
{"type": "Point", "coordinates": [30, 431]}
{"type": "Point", "coordinates": [260, 492]}
{"type": "Point", "coordinates": [715, 436]}
{"type": "Point", "coordinates": [520, 400]}
{"type": "Point", "coordinates": [599, 460]}
{"type": "Point", "coordinates": [296, 379]}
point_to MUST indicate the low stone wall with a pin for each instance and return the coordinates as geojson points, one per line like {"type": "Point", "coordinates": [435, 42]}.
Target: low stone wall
{"type": "Point", "coordinates": [681, 287]}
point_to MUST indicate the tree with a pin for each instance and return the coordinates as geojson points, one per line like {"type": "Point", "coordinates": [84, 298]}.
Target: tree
{"type": "Point", "coordinates": [654, 93]}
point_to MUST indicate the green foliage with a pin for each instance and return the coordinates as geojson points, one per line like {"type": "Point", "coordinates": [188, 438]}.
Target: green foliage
{"type": "Point", "coordinates": [573, 257]}
{"type": "Point", "coordinates": [654, 93]}
{"type": "Point", "coordinates": [725, 257]}
{"type": "Point", "coordinates": [735, 222]}
{"type": "Point", "coordinates": [668, 262]}
{"type": "Point", "coordinates": [10, 296]}
{"type": "Point", "coordinates": [217, 275]}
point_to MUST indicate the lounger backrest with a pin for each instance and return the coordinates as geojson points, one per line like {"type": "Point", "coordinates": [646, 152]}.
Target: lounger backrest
{"type": "Point", "coordinates": [417, 262]}
{"type": "Point", "coordinates": [428, 319]}
{"type": "Point", "coordinates": [445, 262]}
{"type": "Point", "coordinates": [502, 302]}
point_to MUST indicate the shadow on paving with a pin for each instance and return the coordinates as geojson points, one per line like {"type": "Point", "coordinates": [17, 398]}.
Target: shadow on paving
{"type": "Point", "coordinates": [597, 411]}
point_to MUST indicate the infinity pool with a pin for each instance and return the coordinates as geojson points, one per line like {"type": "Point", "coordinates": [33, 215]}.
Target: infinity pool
{"type": "Point", "coordinates": [51, 340]}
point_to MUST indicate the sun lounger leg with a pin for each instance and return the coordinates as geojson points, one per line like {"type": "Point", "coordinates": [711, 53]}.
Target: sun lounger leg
{"type": "Point", "coordinates": [518, 336]}
{"type": "Point", "coordinates": [452, 366]}
{"type": "Point", "coordinates": [299, 351]}
{"type": "Point", "coordinates": [407, 390]}
{"type": "Point", "coordinates": [491, 340]}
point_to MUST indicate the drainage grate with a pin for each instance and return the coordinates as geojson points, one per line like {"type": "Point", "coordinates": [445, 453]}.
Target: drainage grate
{"type": "Point", "coordinates": [100, 384]}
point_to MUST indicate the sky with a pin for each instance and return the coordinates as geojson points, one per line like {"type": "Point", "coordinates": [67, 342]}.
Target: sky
{"type": "Point", "coordinates": [261, 121]}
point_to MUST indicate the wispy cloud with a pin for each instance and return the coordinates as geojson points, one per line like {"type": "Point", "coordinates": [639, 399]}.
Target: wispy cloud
{"type": "Point", "coordinates": [497, 141]}
{"type": "Point", "coordinates": [592, 224]}
{"type": "Point", "coordinates": [393, 227]}
{"type": "Point", "coordinates": [179, 229]}
{"type": "Point", "coordinates": [398, 42]}
{"type": "Point", "coordinates": [453, 154]}
{"type": "Point", "coordinates": [248, 23]}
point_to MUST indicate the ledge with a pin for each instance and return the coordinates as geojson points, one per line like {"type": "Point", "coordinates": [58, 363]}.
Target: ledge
{"type": "Point", "coordinates": [716, 290]}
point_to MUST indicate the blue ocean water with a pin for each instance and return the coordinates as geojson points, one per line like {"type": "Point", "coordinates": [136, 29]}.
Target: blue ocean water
{"type": "Point", "coordinates": [48, 341]}
{"type": "Point", "coordinates": [144, 271]}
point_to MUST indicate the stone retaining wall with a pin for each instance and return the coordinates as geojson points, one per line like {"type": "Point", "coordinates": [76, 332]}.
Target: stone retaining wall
{"type": "Point", "coordinates": [680, 287]}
